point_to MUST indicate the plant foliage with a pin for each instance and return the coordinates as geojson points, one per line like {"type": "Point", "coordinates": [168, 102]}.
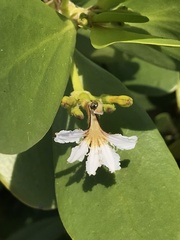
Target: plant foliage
{"type": "Point", "coordinates": [118, 48]}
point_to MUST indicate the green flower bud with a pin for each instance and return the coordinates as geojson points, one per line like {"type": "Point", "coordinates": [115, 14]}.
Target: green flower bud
{"type": "Point", "coordinates": [109, 108]}
{"type": "Point", "coordinates": [76, 112]}
{"type": "Point", "coordinates": [123, 100]}
{"type": "Point", "coordinates": [68, 102]}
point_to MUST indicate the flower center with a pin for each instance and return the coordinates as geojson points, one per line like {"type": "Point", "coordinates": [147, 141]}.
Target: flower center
{"type": "Point", "coordinates": [95, 136]}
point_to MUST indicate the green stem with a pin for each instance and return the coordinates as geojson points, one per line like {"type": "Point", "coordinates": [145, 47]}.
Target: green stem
{"type": "Point", "coordinates": [76, 81]}
{"type": "Point", "coordinates": [65, 7]}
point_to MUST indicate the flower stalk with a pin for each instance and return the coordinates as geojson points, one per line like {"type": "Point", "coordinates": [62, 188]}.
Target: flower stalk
{"type": "Point", "coordinates": [75, 78]}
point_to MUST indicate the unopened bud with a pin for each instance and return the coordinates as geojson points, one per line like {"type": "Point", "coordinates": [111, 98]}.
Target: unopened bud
{"type": "Point", "coordinates": [123, 100]}
{"type": "Point", "coordinates": [109, 108]}
{"type": "Point", "coordinates": [68, 102]}
{"type": "Point", "coordinates": [76, 112]}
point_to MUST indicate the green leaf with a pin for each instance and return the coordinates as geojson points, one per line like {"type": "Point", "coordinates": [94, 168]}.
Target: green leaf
{"type": "Point", "coordinates": [138, 75]}
{"type": "Point", "coordinates": [29, 175]}
{"type": "Point", "coordinates": [143, 77]}
{"type": "Point", "coordinates": [163, 15]}
{"type": "Point", "coordinates": [49, 228]}
{"type": "Point", "coordinates": [118, 16]}
{"type": "Point", "coordinates": [165, 125]}
{"type": "Point", "coordinates": [136, 202]}
{"type": "Point", "coordinates": [35, 58]}
{"type": "Point", "coordinates": [106, 4]}
{"type": "Point", "coordinates": [165, 57]}
{"type": "Point", "coordinates": [152, 54]}
{"type": "Point", "coordinates": [103, 37]}
{"type": "Point", "coordinates": [172, 52]}
{"type": "Point", "coordinates": [161, 29]}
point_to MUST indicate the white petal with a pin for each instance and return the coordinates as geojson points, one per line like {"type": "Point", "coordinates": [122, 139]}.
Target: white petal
{"type": "Point", "coordinates": [122, 142]}
{"type": "Point", "coordinates": [78, 152]}
{"type": "Point", "coordinates": [110, 158]}
{"type": "Point", "coordinates": [69, 136]}
{"type": "Point", "coordinates": [93, 161]}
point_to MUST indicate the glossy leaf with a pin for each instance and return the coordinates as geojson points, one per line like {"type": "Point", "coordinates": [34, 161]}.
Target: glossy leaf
{"type": "Point", "coordinates": [135, 202]}
{"type": "Point", "coordinates": [152, 54]}
{"type": "Point", "coordinates": [161, 29]}
{"type": "Point", "coordinates": [35, 58]}
{"type": "Point", "coordinates": [103, 37]}
{"type": "Point", "coordinates": [118, 16]}
{"type": "Point", "coordinates": [145, 78]}
{"type": "Point", "coordinates": [138, 75]}
{"type": "Point", "coordinates": [163, 17]}
{"type": "Point", "coordinates": [29, 175]}
{"type": "Point", "coordinates": [159, 56]}
{"type": "Point", "coordinates": [172, 52]}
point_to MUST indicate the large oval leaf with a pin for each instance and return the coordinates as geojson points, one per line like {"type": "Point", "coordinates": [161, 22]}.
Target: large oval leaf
{"type": "Point", "coordinates": [36, 47]}
{"type": "Point", "coordinates": [136, 202]}
{"type": "Point", "coordinates": [29, 175]}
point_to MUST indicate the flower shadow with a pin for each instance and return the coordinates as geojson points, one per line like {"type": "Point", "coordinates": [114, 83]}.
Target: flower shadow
{"type": "Point", "coordinates": [125, 163]}
{"type": "Point", "coordinates": [102, 177]}
{"type": "Point", "coordinates": [77, 174]}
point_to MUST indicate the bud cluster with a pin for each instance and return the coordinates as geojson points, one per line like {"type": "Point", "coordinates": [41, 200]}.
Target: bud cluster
{"type": "Point", "coordinates": [79, 100]}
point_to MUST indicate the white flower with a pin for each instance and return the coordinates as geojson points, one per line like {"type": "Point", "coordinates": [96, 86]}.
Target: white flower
{"type": "Point", "coordinates": [98, 145]}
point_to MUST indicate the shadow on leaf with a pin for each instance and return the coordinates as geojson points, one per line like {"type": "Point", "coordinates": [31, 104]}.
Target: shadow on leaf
{"type": "Point", "coordinates": [102, 177]}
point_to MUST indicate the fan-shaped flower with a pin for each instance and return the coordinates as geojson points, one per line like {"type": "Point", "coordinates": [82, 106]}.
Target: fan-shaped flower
{"type": "Point", "coordinates": [96, 144]}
